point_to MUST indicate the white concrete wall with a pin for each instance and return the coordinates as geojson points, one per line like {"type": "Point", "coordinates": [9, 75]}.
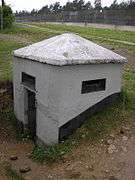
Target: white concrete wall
{"type": "Point", "coordinates": [47, 98]}
{"type": "Point", "coordinates": [58, 92]}
{"type": "Point", "coordinates": [72, 101]}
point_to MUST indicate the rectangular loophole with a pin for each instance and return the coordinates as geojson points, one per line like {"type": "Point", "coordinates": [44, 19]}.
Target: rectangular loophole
{"type": "Point", "coordinates": [93, 85]}
{"type": "Point", "coordinates": [28, 80]}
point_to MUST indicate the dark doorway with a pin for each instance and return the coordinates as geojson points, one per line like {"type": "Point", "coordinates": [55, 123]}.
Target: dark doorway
{"type": "Point", "coordinates": [31, 114]}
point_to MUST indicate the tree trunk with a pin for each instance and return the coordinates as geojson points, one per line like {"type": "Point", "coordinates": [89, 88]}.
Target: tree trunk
{"type": "Point", "coordinates": [3, 2]}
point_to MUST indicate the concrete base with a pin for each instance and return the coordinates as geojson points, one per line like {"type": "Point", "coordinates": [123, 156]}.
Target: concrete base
{"type": "Point", "coordinates": [68, 128]}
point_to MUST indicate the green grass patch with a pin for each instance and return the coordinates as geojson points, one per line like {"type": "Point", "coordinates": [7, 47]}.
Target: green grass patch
{"type": "Point", "coordinates": [13, 174]}
{"type": "Point", "coordinates": [30, 33]}
{"type": "Point", "coordinates": [6, 48]}
{"type": "Point", "coordinates": [51, 154]}
{"type": "Point", "coordinates": [95, 34]}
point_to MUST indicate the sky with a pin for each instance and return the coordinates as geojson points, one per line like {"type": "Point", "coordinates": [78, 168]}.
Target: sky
{"type": "Point", "coordinates": [37, 4]}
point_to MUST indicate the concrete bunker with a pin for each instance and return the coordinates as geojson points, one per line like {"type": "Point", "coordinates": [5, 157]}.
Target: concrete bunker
{"type": "Point", "coordinates": [61, 81]}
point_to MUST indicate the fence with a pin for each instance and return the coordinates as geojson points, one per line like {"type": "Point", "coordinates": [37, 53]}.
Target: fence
{"type": "Point", "coordinates": [117, 17]}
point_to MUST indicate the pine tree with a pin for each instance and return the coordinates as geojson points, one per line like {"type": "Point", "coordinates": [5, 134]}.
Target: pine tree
{"type": "Point", "coordinates": [97, 4]}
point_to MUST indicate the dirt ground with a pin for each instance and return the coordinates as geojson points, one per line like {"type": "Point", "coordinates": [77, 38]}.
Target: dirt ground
{"type": "Point", "coordinates": [110, 159]}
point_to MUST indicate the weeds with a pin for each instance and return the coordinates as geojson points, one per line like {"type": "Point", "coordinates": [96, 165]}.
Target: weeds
{"type": "Point", "coordinates": [51, 154]}
{"type": "Point", "coordinates": [13, 174]}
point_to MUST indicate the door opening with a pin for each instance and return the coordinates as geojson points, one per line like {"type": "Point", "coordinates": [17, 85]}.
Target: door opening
{"type": "Point", "coordinates": [31, 114]}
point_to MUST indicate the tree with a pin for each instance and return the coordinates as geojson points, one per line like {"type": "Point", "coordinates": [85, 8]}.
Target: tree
{"type": "Point", "coordinates": [7, 17]}
{"type": "Point", "coordinates": [2, 3]}
{"type": "Point", "coordinates": [131, 4]}
{"type": "Point", "coordinates": [80, 5]}
{"type": "Point", "coordinates": [44, 10]}
{"type": "Point", "coordinates": [34, 12]}
{"type": "Point", "coordinates": [114, 5]}
{"type": "Point", "coordinates": [56, 7]}
{"type": "Point", "coordinates": [68, 7]}
{"type": "Point", "coordinates": [88, 6]}
{"type": "Point", "coordinates": [97, 4]}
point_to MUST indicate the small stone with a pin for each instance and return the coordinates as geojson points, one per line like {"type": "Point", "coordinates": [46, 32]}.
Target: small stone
{"type": "Point", "coordinates": [112, 136]}
{"type": "Point", "coordinates": [91, 168]}
{"type": "Point", "coordinates": [29, 155]}
{"type": "Point", "coordinates": [121, 131]}
{"type": "Point", "coordinates": [50, 176]}
{"type": "Point", "coordinates": [124, 138]}
{"type": "Point", "coordinates": [2, 91]}
{"type": "Point", "coordinates": [111, 149]}
{"type": "Point", "coordinates": [24, 169]}
{"type": "Point", "coordinates": [73, 142]}
{"type": "Point", "coordinates": [124, 129]}
{"type": "Point", "coordinates": [13, 157]}
{"type": "Point", "coordinates": [75, 175]}
{"type": "Point", "coordinates": [108, 141]}
{"type": "Point", "coordinates": [106, 171]}
{"type": "Point", "coordinates": [113, 178]}
{"type": "Point", "coordinates": [112, 48]}
{"type": "Point", "coordinates": [124, 149]}
{"type": "Point", "coordinates": [94, 177]}
{"type": "Point", "coordinates": [83, 136]}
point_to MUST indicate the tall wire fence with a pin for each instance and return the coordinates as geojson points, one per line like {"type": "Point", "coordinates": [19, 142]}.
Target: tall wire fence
{"type": "Point", "coordinates": [117, 17]}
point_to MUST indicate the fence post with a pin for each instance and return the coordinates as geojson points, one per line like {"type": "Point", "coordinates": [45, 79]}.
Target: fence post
{"type": "Point", "coordinates": [1, 17]}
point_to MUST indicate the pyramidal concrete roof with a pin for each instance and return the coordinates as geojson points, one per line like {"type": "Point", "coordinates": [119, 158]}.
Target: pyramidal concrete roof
{"type": "Point", "coordinates": [68, 49]}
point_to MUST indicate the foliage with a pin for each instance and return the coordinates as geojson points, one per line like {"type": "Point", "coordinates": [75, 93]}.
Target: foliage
{"type": "Point", "coordinates": [3, 2]}
{"type": "Point", "coordinates": [97, 4]}
{"type": "Point", "coordinates": [8, 17]}
{"type": "Point", "coordinates": [51, 154]}
{"type": "Point", "coordinates": [6, 48]}
{"type": "Point", "coordinates": [77, 5]}
{"type": "Point", "coordinates": [13, 174]}
{"type": "Point", "coordinates": [123, 5]}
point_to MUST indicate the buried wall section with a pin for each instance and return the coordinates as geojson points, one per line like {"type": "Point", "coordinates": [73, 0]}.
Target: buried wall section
{"type": "Point", "coordinates": [76, 106]}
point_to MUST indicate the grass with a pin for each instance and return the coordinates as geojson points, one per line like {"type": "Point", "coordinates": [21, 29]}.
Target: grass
{"type": "Point", "coordinates": [100, 124]}
{"type": "Point", "coordinates": [51, 154]}
{"type": "Point", "coordinates": [13, 174]}
{"type": "Point", "coordinates": [6, 48]}
{"type": "Point", "coordinates": [94, 34]}
{"type": "Point", "coordinates": [31, 34]}
{"type": "Point", "coordinates": [113, 34]}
